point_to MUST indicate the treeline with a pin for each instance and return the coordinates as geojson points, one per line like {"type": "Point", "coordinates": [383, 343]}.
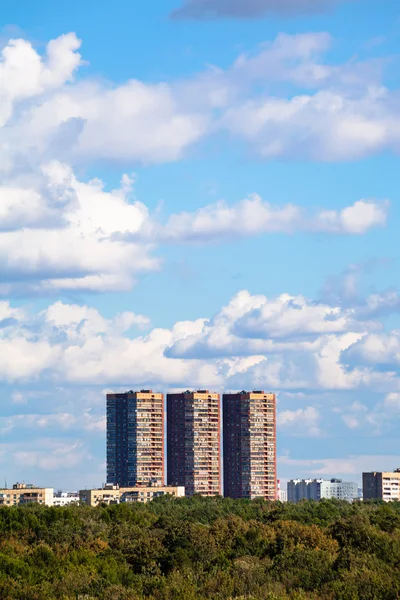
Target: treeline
{"type": "Point", "coordinates": [201, 548]}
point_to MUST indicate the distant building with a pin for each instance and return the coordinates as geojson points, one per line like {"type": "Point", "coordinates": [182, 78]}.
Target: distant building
{"type": "Point", "coordinates": [26, 493]}
{"type": "Point", "coordinates": [249, 425]}
{"type": "Point", "coordinates": [112, 494]}
{"type": "Point", "coordinates": [382, 486]}
{"type": "Point", "coordinates": [317, 489]}
{"type": "Point", "coordinates": [281, 494]}
{"type": "Point", "coordinates": [64, 498]}
{"type": "Point", "coordinates": [193, 441]}
{"type": "Point", "coordinates": [135, 438]}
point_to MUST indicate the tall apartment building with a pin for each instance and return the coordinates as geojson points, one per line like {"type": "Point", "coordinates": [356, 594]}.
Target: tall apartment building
{"type": "Point", "coordinates": [317, 489]}
{"type": "Point", "coordinates": [382, 486]}
{"type": "Point", "coordinates": [249, 426]}
{"type": "Point", "coordinates": [135, 438]}
{"type": "Point", "coordinates": [26, 493]}
{"type": "Point", "coordinates": [193, 441]}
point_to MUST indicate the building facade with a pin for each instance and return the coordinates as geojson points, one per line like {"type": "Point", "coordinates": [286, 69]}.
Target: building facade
{"type": "Point", "coordinates": [135, 438]}
{"type": "Point", "coordinates": [382, 486]}
{"type": "Point", "coordinates": [317, 489]}
{"type": "Point", "coordinates": [113, 494]}
{"type": "Point", "coordinates": [26, 493]}
{"type": "Point", "coordinates": [65, 498]}
{"type": "Point", "coordinates": [193, 441]}
{"type": "Point", "coordinates": [281, 494]}
{"type": "Point", "coordinates": [249, 426]}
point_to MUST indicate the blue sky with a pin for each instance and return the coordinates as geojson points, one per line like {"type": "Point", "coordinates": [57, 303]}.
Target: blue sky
{"type": "Point", "coordinates": [201, 195]}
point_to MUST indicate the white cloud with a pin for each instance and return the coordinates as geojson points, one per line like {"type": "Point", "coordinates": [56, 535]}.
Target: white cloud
{"type": "Point", "coordinates": [286, 343]}
{"type": "Point", "coordinates": [378, 418]}
{"type": "Point", "coordinates": [8, 314]}
{"type": "Point", "coordinates": [74, 249]}
{"type": "Point", "coordinates": [47, 114]}
{"type": "Point", "coordinates": [328, 126]}
{"type": "Point", "coordinates": [375, 349]}
{"type": "Point", "coordinates": [76, 344]}
{"type": "Point", "coordinates": [352, 465]}
{"type": "Point", "coordinates": [253, 216]}
{"type": "Point", "coordinates": [38, 421]}
{"type": "Point", "coordinates": [61, 421]}
{"type": "Point", "coordinates": [251, 325]}
{"type": "Point", "coordinates": [52, 456]}
{"type": "Point", "coordinates": [59, 233]}
{"type": "Point", "coordinates": [80, 322]}
{"type": "Point", "coordinates": [25, 74]}
{"type": "Point", "coordinates": [351, 421]}
{"type": "Point", "coordinates": [87, 119]}
{"type": "Point", "coordinates": [137, 122]}
{"type": "Point", "coordinates": [291, 344]}
{"type": "Point", "coordinates": [295, 316]}
{"type": "Point", "coordinates": [392, 402]}
{"type": "Point", "coordinates": [304, 421]}
{"type": "Point", "coordinates": [382, 304]}
{"type": "Point", "coordinates": [21, 358]}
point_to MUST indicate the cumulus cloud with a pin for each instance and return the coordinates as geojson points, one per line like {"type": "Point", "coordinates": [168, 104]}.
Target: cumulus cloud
{"type": "Point", "coordinates": [383, 304]}
{"type": "Point", "coordinates": [47, 113]}
{"type": "Point", "coordinates": [60, 233]}
{"type": "Point", "coordinates": [60, 237]}
{"type": "Point", "coordinates": [253, 216]}
{"type": "Point", "coordinates": [287, 343]}
{"type": "Point", "coordinates": [9, 315]}
{"type": "Point", "coordinates": [214, 9]}
{"type": "Point", "coordinates": [290, 343]}
{"type": "Point", "coordinates": [329, 125]}
{"type": "Point", "coordinates": [25, 74]}
{"type": "Point", "coordinates": [380, 349]}
{"type": "Point", "coordinates": [304, 421]}
{"type": "Point", "coordinates": [76, 344]}
{"type": "Point", "coordinates": [255, 325]}
{"type": "Point", "coordinates": [76, 322]}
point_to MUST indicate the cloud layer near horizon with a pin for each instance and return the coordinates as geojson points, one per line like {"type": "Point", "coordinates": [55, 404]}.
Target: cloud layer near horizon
{"type": "Point", "coordinates": [62, 360]}
{"type": "Point", "coordinates": [281, 343]}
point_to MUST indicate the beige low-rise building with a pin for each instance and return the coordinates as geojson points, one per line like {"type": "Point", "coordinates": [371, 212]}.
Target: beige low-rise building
{"type": "Point", "coordinates": [26, 493]}
{"type": "Point", "coordinates": [382, 486]}
{"type": "Point", "coordinates": [112, 494]}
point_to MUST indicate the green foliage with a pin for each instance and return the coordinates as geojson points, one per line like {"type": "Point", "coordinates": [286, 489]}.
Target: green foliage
{"type": "Point", "coordinates": [201, 549]}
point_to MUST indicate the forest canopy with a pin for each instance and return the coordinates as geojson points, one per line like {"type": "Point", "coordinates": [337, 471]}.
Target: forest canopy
{"type": "Point", "coordinates": [201, 548]}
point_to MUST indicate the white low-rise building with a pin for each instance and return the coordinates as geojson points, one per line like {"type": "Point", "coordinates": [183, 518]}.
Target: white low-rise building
{"type": "Point", "coordinates": [318, 489]}
{"type": "Point", "coordinates": [65, 498]}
